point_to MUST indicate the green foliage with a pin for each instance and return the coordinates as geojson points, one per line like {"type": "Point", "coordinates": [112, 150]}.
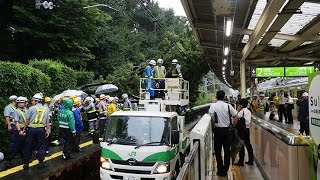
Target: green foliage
{"type": "Point", "coordinates": [62, 76]}
{"type": "Point", "coordinates": [125, 78]}
{"type": "Point", "coordinates": [21, 80]}
{"type": "Point", "coordinates": [203, 98]}
{"type": "Point", "coordinates": [84, 77]}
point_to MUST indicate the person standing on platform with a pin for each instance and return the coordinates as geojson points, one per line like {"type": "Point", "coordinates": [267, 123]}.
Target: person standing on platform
{"type": "Point", "coordinates": [289, 107]}
{"type": "Point", "coordinates": [37, 128]}
{"type": "Point", "coordinates": [303, 115]}
{"type": "Point", "coordinates": [47, 101]}
{"type": "Point", "coordinates": [8, 113]}
{"type": "Point", "coordinates": [92, 116]}
{"type": "Point", "coordinates": [159, 71]}
{"type": "Point", "coordinates": [78, 124]}
{"type": "Point", "coordinates": [263, 106]}
{"type": "Point", "coordinates": [282, 109]}
{"type": "Point", "coordinates": [176, 71]}
{"type": "Point", "coordinates": [67, 128]}
{"type": "Point", "coordinates": [19, 120]}
{"type": "Point", "coordinates": [245, 117]}
{"type": "Point", "coordinates": [127, 106]}
{"type": "Point", "coordinates": [102, 107]}
{"type": "Point", "coordinates": [149, 79]}
{"type": "Point", "coordinates": [221, 114]}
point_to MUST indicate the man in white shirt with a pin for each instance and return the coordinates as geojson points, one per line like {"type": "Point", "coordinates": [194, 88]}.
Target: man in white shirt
{"type": "Point", "coordinates": [244, 133]}
{"type": "Point", "coordinates": [221, 115]}
{"type": "Point", "coordinates": [282, 109]}
{"type": "Point", "coordinates": [289, 107]}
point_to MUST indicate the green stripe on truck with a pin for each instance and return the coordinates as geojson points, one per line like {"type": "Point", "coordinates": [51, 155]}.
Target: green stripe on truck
{"type": "Point", "coordinates": [162, 156]}
{"type": "Point", "coordinates": [106, 153]}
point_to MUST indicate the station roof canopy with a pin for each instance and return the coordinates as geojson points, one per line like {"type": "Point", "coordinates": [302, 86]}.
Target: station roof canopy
{"type": "Point", "coordinates": [263, 33]}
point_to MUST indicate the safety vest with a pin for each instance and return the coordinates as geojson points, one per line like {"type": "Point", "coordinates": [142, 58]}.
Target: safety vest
{"type": "Point", "coordinates": [262, 104]}
{"type": "Point", "coordinates": [23, 117]}
{"type": "Point", "coordinates": [38, 119]}
{"type": "Point", "coordinates": [157, 70]}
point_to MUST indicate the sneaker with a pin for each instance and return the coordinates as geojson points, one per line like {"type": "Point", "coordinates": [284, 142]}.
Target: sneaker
{"type": "Point", "coordinates": [42, 165]}
{"type": "Point", "coordinates": [67, 157]}
{"type": "Point", "coordinates": [26, 166]}
{"type": "Point", "coordinates": [249, 163]}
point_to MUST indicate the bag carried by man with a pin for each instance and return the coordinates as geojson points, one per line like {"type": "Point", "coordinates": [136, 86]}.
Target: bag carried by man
{"type": "Point", "coordinates": [235, 140]}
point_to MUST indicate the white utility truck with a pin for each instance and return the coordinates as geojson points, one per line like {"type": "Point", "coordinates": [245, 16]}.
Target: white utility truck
{"type": "Point", "coordinates": [149, 144]}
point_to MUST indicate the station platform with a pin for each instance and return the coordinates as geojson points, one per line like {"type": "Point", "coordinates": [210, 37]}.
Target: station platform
{"type": "Point", "coordinates": [57, 167]}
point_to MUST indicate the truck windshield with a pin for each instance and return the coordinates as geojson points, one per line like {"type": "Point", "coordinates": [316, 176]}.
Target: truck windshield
{"type": "Point", "coordinates": [134, 130]}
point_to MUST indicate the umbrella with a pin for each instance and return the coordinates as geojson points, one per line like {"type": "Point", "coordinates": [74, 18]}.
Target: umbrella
{"type": "Point", "coordinates": [106, 88]}
{"type": "Point", "coordinates": [70, 92]}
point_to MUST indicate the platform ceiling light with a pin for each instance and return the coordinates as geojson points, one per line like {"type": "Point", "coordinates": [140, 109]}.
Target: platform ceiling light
{"type": "Point", "coordinates": [223, 68]}
{"type": "Point", "coordinates": [226, 51]}
{"type": "Point", "coordinates": [223, 72]}
{"type": "Point", "coordinates": [224, 61]}
{"type": "Point", "coordinates": [228, 27]}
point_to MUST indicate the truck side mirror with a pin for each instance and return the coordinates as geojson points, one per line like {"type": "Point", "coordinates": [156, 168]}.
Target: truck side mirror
{"type": "Point", "coordinates": [175, 137]}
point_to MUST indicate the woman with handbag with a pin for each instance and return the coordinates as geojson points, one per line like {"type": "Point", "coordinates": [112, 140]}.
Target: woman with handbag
{"type": "Point", "coordinates": [243, 126]}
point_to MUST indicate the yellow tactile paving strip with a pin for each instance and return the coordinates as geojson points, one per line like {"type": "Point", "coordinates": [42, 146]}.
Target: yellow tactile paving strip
{"type": "Point", "coordinates": [236, 173]}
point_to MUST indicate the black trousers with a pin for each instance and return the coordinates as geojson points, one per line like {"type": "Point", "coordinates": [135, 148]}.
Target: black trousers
{"type": "Point", "coordinates": [282, 112]}
{"type": "Point", "coordinates": [304, 127]}
{"type": "Point", "coordinates": [247, 143]}
{"type": "Point", "coordinates": [19, 146]}
{"type": "Point", "coordinates": [76, 146]}
{"type": "Point", "coordinates": [222, 139]}
{"type": "Point", "coordinates": [69, 143]}
{"type": "Point", "coordinates": [289, 114]}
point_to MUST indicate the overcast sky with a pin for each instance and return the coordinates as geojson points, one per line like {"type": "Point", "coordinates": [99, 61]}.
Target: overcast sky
{"type": "Point", "coordinates": [174, 4]}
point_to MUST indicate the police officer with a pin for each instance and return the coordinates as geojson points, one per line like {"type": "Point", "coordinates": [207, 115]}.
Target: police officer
{"type": "Point", "coordinates": [176, 71]}
{"type": "Point", "coordinates": [92, 116]}
{"type": "Point", "coordinates": [37, 128]}
{"type": "Point", "coordinates": [221, 116]}
{"type": "Point", "coordinates": [9, 112]}
{"type": "Point", "coordinates": [127, 106]}
{"type": "Point", "coordinates": [19, 119]}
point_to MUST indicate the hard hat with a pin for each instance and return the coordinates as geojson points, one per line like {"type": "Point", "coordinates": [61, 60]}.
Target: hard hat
{"type": "Point", "coordinates": [47, 99]}
{"type": "Point", "coordinates": [25, 99]}
{"type": "Point", "coordinates": [174, 61]}
{"type": "Point", "coordinates": [20, 99]}
{"type": "Point", "coordinates": [1, 156]}
{"type": "Point", "coordinates": [107, 97]}
{"type": "Point", "coordinates": [102, 96]}
{"type": "Point", "coordinates": [72, 96]}
{"type": "Point", "coordinates": [111, 99]}
{"type": "Point", "coordinates": [305, 94]}
{"type": "Point", "coordinates": [37, 97]}
{"type": "Point", "coordinates": [124, 96]}
{"type": "Point", "coordinates": [76, 101]}
{"type": "Point", "coordinates": [261, 94]}
{"type": "Point", "coordinates": [87, 99]}
{"type": "Point", "coordinates": [152, 62]}
{"type": "Point", "coordinates": [160, 61]}
{"type": "Point", "coordinates": [13, 97]}
{"type": "Point", "coordinates": [116, 98]}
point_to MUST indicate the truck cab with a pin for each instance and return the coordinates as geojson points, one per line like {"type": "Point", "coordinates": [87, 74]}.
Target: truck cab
{"type": "Point", "coordinates": [140, 145]}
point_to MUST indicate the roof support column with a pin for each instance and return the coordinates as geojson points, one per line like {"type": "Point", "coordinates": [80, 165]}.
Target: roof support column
{"type": "Point", "coordinates": [243, 79]}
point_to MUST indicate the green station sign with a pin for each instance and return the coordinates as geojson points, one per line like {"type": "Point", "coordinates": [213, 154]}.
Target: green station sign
{"type": "Point", "coordinates": [299, 71]}
{"type": "Point", "coordinates": [270, 72]}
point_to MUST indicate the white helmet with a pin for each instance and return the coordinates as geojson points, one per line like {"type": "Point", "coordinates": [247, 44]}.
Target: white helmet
{"type": "Point", "coordinates": [160, 61]}
{"type": "Point", "coordinates": [1, 156]}
{"type": "Point", "coordinates": [305, 94]}
{"type": "Point", "coordinates": [102, 96]}
{"type": "Point", "coordinates": [152, 62]}
{"type": "Point", "coordinates": [124, 96]}
{"type": "Point", "coordinates": [13, 98]}
{"type": "Point", "coordinates": [116, 98]}
{"type": "Point", "coordinates": [37, 97]}
{"type": "Point", "coordinates": [111, 99]}
{"type": "Point", "coordinates": [174, 61]}
{"type": "Point", "coordinates": [21, 99]}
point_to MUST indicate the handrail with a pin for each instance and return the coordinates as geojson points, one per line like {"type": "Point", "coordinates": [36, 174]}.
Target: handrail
{"type": "Point", "coordinates": [282, 134]}
{"type": "Point", "coordinates": [189, 160]}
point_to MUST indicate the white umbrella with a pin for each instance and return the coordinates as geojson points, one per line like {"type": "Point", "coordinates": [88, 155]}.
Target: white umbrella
{"type": "Point", "coordinates": [70, 92]}
{"type": "Point", "coordinates": [106, 88]}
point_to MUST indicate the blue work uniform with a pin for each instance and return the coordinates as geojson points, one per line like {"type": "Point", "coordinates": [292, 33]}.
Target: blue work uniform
{"type": "Point", "coordinates": [9, 111]}
{"type": "Point", "coordinates": [79, 127]}
{"type": "Point", "coordinates": [149, 82]}
{"type": "Point", "coordinates": [38, 116]}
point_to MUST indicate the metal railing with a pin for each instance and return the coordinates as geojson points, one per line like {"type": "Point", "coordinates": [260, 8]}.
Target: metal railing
{"type": "Point", "coordinates": [172, 88]}
{"type": "Point", "coordinates": [191, 167]}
